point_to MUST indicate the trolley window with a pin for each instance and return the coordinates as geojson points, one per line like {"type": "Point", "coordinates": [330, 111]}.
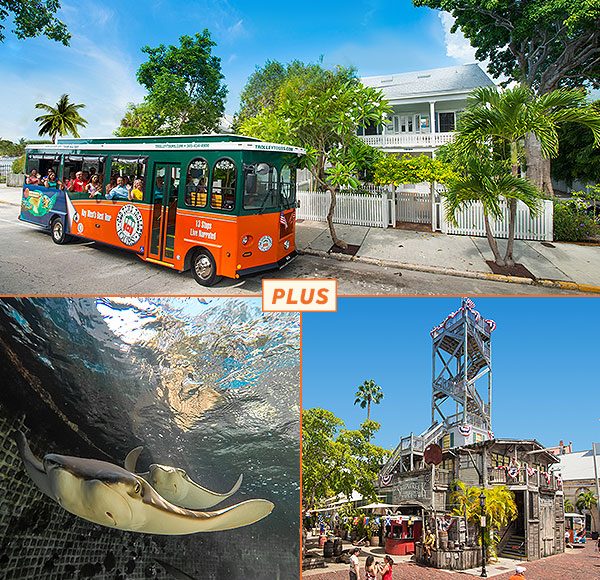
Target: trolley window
{"type": "Point", "coordinates": [224, 183]}
{"type": "Point", "coordinates": [260, 191]}
{"type": "Point", "coordinates": [288, 185]}
{"type": "Point", "coordinates": [196, 183]}
{"type": "Point", "coordinates": [40, 166]}
{"type": "Point", "coordinates": [132, 170]}
{"type": "Point", "coordinates": [78, 171]}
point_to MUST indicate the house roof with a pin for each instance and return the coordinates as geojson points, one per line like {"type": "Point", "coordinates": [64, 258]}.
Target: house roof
{"type": "Point", "coordinates": [451, 79]}
{"type": "Point", "coordinates": [578, 465]}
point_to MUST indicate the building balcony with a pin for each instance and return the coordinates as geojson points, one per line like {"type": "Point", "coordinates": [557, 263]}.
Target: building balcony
{"type": "Point", "coordinates": [408, 140]}
{"type": "Point", "coordinates": [538, 479]}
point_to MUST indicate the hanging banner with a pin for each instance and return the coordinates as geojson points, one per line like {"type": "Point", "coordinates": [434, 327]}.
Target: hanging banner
{"type": "Point", "coordinates": [465, 430]}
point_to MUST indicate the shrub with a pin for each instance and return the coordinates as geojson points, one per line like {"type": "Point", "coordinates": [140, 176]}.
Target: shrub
{"type": "Point", "coordinates": [572, 223]}
{"type": "Point", "coordinates": [18, 165]}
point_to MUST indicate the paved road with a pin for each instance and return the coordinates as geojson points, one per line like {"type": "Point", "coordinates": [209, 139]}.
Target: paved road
{"type": "Point", "coordinates": [579, 564]}
{"type": "Point", "coordinates": [31, 264]}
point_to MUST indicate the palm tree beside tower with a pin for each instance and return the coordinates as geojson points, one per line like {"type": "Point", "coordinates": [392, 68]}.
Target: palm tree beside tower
{"type": "Point", "coordinates": [63, 119]}
{"type": "Point", "coordinates": [369, 392]}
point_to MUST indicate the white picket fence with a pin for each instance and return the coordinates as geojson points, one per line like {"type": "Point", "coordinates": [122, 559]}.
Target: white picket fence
{"type": "Point", "coordinates": [6, 166]}
{"type": "Point", "coordinates": [351, 208]}
{"type": "Point", "coordinates": [413, 207]}
{"type": "Point", "coordinates": [382, 208]}
{"type": "Point", "coordinates": [471, 223]}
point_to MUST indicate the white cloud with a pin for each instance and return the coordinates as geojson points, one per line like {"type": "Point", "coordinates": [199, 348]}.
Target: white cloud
{"type": "Point", "coordinates": [236, 30]}
{"type": "Point", "coordinates": [91, 72]}
{"type": "Point", "coordinates": [457, 46]}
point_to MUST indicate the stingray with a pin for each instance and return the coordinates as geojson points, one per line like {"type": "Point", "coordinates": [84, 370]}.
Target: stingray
{"type": "Point", "coordinates": [112, 496]}
{"type": "Point", "coordinates": [175, 485]}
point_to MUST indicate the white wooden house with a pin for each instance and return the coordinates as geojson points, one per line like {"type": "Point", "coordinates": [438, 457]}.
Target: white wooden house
{"type": "Point", "coordinates": [425, 107]}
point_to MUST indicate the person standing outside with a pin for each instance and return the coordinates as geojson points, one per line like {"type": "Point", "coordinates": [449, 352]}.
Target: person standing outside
{"type": "Point", "coordinates": [354, 567]}
{"type": "Point", "coordinates": [518, 575]}
{"type": "Point", "coordinates": [385, 569]}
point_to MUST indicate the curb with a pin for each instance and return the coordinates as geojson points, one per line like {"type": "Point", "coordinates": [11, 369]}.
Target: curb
{"type": "Point", "coordinates": [563, 285]}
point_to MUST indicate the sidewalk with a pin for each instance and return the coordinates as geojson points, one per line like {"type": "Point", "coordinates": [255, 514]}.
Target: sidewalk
{"type": "Point", "coordinates": [553, 264]}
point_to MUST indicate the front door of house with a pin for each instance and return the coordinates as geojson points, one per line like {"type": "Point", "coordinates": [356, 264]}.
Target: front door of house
{"type": "Point", "coordinates": [165, 191]}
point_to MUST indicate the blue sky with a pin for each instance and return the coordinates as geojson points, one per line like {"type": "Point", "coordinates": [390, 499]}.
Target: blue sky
{"type": "Point", "coordinates": [544, 363]}
{"type": "Point", "coordinates": [99, 68]}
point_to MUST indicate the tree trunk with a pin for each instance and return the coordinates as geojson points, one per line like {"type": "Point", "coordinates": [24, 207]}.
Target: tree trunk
{"type": "Point", "coordinates": [492, 241]}
{"type": "Point", "coordinates": [508, 257]}
{"type": "Point", "coordinates": [512, 205]}
{"type": "Point", "coordinates": [339, 243]}
{"type": "Point", "coordinates": [538, 167]}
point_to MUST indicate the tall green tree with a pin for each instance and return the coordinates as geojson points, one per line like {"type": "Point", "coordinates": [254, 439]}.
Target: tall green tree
{"type": "Point", "coordinates": [544, 44]}
{"type": "Point", "coordinates": [34, 18]}
{"type": "Point", "coordinates": [262, 89]}
{"type": "Point", "coordinates": [505, 118]}
{"type": "Point", "coordinates": [186, 94]}
{"type": "Point", "coordinates": [336, 460]}
{"type": "Point", "coordinates": [577, 158]}
{"type": "Point", "coordinates": [63, 119]}
{"type": "Point", "coordinates": [140, 119]}
{"type": "Point", "coordinates": [321, 111]}
{"type": "Point", "coordinates": [369, 392]}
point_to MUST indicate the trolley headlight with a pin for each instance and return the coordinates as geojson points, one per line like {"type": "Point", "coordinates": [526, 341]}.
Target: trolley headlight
{"type": "Point", "coordinates": [246, 240]}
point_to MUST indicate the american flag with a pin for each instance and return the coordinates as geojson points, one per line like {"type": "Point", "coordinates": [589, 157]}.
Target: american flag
{"type": "Point", "coordinates": [470, 303]}
{"type": "Point", "coordinates": [282, 219]}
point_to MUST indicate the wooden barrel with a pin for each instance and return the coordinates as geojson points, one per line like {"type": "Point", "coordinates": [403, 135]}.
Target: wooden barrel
{"type": "Point", "coordinates": [337, 547]}
{"type": "Point", "coordinates": [328, 549]}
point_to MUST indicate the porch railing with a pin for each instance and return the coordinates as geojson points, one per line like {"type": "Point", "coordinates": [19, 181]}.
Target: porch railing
{"type": "Point", "coordinates": [408, 140]}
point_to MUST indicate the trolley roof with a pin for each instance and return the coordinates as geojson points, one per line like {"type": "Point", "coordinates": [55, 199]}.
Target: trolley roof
{"type": "Point", "coordinates": [224, 142]}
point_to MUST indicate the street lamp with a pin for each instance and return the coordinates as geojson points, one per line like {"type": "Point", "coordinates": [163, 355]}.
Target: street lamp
{"type": "Point", "coordinates": [482, 528]}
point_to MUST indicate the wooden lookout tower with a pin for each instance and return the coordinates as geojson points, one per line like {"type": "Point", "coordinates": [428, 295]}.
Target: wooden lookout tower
{"type": "Point", "coordinates": [461, 398]}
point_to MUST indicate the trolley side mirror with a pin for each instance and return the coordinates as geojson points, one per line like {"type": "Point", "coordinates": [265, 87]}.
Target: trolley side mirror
{"type": "Point", "coordinates": [251, 182]}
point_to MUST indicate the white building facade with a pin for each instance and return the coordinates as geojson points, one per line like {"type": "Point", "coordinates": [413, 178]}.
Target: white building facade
{"type": "Point", "coordinates": [425, 107]}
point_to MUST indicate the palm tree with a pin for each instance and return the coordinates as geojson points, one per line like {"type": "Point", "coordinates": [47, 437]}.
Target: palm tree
{"type": "Point", "coordinates": [60, 120]}
{"type": "Point", "coordinates": [569, 507]}
{"type": "Point", "coordinates": [506, 118]}
{"type": "Point", "coordinates": [586, 500]}
{"type": "Point", "coordinates": [500, 509]}
{"type": "Point", "coordinates": [486, 181]}
{"type": "Point", "coordinates": [368, 393]}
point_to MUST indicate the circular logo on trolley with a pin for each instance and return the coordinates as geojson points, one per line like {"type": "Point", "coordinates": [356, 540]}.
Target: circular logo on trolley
{"type": "Point", "coordinates": [265, 243]}
{"type": "Point", "coordinates": [129, 224]}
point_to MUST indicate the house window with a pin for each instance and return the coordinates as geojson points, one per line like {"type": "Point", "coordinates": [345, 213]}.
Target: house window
{"type": "Point", "coordinates": [499, 460]}
{"type": "Point", "coordinates": [446, 121]}
{"type": "Point", "coordinates": [448, 441]}
{"type": "Point", "coordinates": [403, 123]}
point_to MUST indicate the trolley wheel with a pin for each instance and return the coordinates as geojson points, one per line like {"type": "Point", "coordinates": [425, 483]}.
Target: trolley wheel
{"type": "Point", "coordinates": [204, 268]}
{"type": "Point", "coordinates": [57, 228]}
